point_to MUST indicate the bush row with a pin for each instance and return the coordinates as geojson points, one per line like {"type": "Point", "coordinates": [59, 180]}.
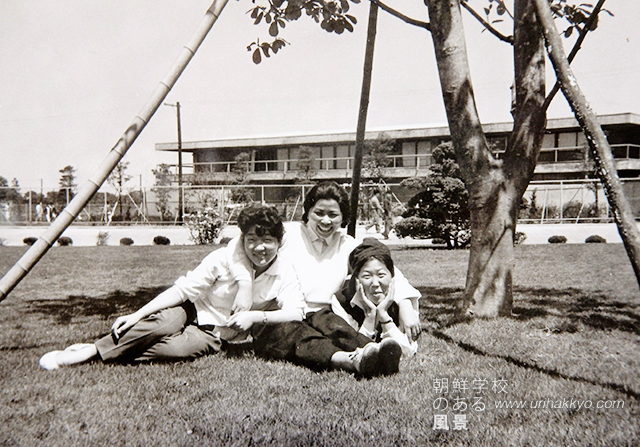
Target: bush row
{"type": "Point", "coordinates": [102, 240]}
{"type": "Point", "coordinates": [594, 239]}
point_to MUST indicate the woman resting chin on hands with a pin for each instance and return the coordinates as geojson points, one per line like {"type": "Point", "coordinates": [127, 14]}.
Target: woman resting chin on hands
{"type": "Point", "coordinates": [368, 296]}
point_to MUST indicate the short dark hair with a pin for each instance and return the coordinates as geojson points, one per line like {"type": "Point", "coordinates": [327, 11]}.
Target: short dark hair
{"type": "Point", "coordinates": [265, 218]}
{"type": "Point", "coordinates": [328, 190]}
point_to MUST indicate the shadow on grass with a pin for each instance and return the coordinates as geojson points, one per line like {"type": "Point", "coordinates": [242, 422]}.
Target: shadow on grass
{"type": "Point", "coordinates": [441, 308]}
{"type": "Point", "coordinates": [577, 307]}
{"type": "Point", "coordinates": [106, 306]}
{"type": "Point", "coordinates": [548, 371]}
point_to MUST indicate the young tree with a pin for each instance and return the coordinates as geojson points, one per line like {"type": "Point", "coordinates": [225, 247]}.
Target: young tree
{"type": "Point", "coordinates": [240, 175]}
{"type": "Point", "coordinates": [10, 193]}
{"type": "Point", "coordinates": [67, 184]}
{"type": "Point", "coordinates": [162, 190]}
{"type": "Point", "coordinates": [376, 157]}
{"type": "Point", "coordinates": [441, 204]}
{"type": "Point", "coordinates": [495, 186]}
{"type": "Point", "coordinates": [306, 164]}
{"type": "Point", "coordinates": [117, 179]}
{"type": "Point", "coordinates": [374, 161]}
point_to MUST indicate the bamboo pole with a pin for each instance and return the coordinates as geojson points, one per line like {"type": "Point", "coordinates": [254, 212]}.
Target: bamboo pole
{"type": "Point", "coordinates": [71, 211]}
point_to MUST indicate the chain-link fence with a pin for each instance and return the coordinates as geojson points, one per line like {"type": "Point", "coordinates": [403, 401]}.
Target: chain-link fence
{"type": "Point", "coordinates": [543, 202]}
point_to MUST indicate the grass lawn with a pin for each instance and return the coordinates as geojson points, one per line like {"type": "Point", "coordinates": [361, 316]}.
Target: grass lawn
{"type": "Point", "coordinates": [571, 346]}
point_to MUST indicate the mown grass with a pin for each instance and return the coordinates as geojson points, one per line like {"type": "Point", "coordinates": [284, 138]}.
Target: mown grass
{"type": "Point", "coordinates": [574, 334]}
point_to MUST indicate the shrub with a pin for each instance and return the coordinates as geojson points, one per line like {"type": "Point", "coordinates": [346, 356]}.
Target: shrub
{"type": "Point", "coordinates": [519, 237]}
{"type": "Point", "coordinates": [126, 241]}
{"type": "Point", "coordinates": [103, 237]}
{"type": "Point", "coordinates": [161, 240]}
{"type": "Point", "coordinates": [557, 240]}
{"type": "Point", "coordinates": [204, 226]}
{"type": "Point", "coordinates": [415, 227]}
{"type": "Point", "coordinates": [64, 241]}
{"type": "Point", "coordinates": [30, 240]}
{"type": "Point", "coordinates": [595, 239]}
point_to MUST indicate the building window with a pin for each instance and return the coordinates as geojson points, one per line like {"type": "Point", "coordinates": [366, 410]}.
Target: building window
{"type": "Point", "coordinates": [328, 157]}
{"type": "Point", "coordinates": [408, 154]}
{"type": "Point", "coordinates": [263, 160]}
{"type": "Point", "coordinates": [424, 158]}
{"type": "Point", "coordinates": [343, 153]}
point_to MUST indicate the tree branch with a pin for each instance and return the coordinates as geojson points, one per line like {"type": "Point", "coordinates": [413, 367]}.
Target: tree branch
{"type": "Point", "coordinates": [576, 47]}
{"type": "Point", "coordinates": [401, 16]}
{"type": "Point", "coordinates": [487, 25]}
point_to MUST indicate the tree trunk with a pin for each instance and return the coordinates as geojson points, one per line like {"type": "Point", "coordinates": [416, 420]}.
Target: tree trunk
{"type": "Point", "coordinates": [495, 186]}
{"type": "Point", "coordinates": [362, 116]}
{"type": "Point", "coordinates": [598, 143]}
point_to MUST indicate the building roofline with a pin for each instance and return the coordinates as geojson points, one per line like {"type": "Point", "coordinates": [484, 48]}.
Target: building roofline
{"type": "Point", "coordinates": [349, 137]}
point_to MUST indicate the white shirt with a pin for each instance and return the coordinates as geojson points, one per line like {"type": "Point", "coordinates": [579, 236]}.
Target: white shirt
{"type": "Point", "coordinates": [322, 266]}
{"type": "Point", "coordinates": [212, 288]}
{"type": "Point", "coordinates": [322, 271]}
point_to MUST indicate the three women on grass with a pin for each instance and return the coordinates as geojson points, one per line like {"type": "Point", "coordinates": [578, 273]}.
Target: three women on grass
{"type": "Point", "coordinates": [319, 254]}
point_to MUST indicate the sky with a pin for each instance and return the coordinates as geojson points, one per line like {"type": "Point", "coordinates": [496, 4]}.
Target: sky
{"type": "Point", "coordinates": [75, 73]}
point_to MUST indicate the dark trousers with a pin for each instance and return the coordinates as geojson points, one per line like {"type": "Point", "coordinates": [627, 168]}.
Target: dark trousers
{"type": "Point", "coordinates": [170, 334]}
{"type": "Point", "coordinates": [310, 343]}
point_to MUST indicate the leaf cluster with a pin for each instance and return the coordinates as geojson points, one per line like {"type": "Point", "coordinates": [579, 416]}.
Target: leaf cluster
{"type": "Point", "coordinates": [576, 15]}
{"type": "Point", "coordinates": [331, 15]}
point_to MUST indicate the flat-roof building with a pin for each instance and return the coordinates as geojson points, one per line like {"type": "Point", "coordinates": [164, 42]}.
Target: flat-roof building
{"type": "Point", "coordinates": [273, 160]}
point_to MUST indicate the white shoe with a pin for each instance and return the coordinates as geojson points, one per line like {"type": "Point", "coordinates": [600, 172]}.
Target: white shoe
{"type": "Point", "coordinates": [78, 346]}
{"type": "Point", "coordinates": [49, 361]}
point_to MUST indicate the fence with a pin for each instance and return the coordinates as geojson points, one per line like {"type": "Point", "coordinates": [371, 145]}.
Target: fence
{"type": "Point", "coordinates": [544, 202]}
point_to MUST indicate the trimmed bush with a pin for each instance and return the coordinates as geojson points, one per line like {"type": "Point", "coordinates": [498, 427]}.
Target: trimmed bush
{"type": "Point", "coordinates": [595, 239]}
{"type": "Point", "coordinates": [415, 227]}
{"type": "Point", "coordinates": [557, 240]}
{"type": "Point", "coordinates": [126, 241]}
{"type": "Point", "coordinates": [30, 240]}
{"type": "Point", "coordinates": [64, 241]}
{"type": "Point", "coordinates": [161, 240]}
{"type": "Point", "coordinates": [519, 238]}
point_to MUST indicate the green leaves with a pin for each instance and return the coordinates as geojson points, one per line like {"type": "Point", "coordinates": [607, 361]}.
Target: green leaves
{"type": "Point", "coordinates": [265, 48]}
{"type": "Point", "coordinates": [330, 14]}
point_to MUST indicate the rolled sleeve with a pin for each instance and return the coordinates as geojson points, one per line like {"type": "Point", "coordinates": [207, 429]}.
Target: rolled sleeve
{"type": "Point", "coordinates": [404, 290]}
{"type": "Point", "coordinates": [196, 282]}
{"type": "Point", "coordinates": [289, 294]}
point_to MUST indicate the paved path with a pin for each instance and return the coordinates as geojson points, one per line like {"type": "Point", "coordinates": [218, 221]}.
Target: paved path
{"type": "Point", "coordinates": [83, 235]}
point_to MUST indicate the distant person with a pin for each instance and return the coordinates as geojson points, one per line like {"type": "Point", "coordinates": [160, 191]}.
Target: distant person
{"type": "Point", "coordinates": [6, 211]}
{"type": "Point", "coordinates": [194, 316]}
{"type": "Point", "coordinates": [377, 211]}
{"type": "Point", "coordinates": [39, 212]}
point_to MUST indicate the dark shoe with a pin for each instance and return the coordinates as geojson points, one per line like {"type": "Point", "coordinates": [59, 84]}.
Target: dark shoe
{"type": "Point", "coordinates": [389, 357]}
{"type": "Point", "coordinates": [366, 360]}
